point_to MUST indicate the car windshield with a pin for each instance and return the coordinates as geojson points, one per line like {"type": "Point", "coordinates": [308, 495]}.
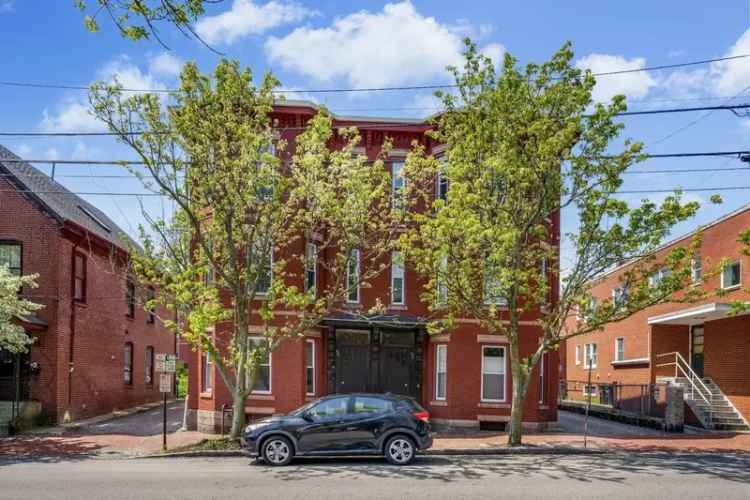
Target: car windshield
{"type": "Point", "coordinates": [302, 409]}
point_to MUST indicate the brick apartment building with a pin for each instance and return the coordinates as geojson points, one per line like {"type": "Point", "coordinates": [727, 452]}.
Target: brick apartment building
{"type": "Point", "coordinates": [462, 377]}
{"type": "Point", "coordinates": [712, 345]}
{"type": "Point", "coordinates": [95, 346]}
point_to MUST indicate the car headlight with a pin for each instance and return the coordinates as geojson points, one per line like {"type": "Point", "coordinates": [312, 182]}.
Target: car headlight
{"type": "Point", "coordinates": [253, 427]}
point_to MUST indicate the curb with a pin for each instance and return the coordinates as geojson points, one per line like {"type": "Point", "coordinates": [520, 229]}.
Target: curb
{"type": "Point", "coordinates": [487, 452]}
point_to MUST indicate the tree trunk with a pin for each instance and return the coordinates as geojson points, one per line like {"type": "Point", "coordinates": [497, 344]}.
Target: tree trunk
{"type": "Point", "coordinates": [520, 388]}
{"type": "Point", "coordinates": [238, 414]}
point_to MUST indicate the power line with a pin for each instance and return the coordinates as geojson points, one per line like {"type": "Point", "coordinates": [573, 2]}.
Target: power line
{"type": "Point", "coordinates": [372, 89]}
{"type": "Point", "coordinates": [406, 124]}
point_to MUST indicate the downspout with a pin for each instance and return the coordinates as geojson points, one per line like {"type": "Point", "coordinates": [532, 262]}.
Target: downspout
{"type": "Point", "coordinates": [71, 345]}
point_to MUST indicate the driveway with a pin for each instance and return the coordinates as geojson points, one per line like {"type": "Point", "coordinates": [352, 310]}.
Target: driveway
{"type": "Point", "coordinates": [615, 477]}
{"type": "Point", "coordinates": [132, 435]}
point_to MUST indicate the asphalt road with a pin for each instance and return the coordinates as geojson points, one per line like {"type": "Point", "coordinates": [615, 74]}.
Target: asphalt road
{"type": "Point", "coordinates": [539, 476]}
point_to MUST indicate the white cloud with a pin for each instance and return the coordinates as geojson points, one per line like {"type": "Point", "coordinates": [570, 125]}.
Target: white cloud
{"type": "Point", "coordinates": [166, 64]}
{"type": "Point", "coordinates": [73, 114]}
{"type": "Point", "coordinates": [393, 46]}
{"type": "Point", "coordinates": [245, 17]}
{"type": "Point", "coordinates": [633, 85]}
{"type": "Point", "coordinates": [731, 77]}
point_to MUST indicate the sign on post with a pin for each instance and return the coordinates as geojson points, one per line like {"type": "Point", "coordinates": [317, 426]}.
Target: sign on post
{"type": "Point", "coordinates": [165, 383]}
{"type": "Point", "coordinates": [166, 363]}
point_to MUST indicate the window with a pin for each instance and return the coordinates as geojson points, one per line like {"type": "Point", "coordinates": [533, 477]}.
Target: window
{"type": "Point", "coordinates": [206, 365]}
{"type": "Point", "coordinates": [492, 294]}
{"type": "Point", "coordinates": [130, 298]}
{"type": "Point", "coordinates": [310, 367]}
{"type": "Point", "coordinates": [587, 309]}
{"type": "Point", "coordinates": [620, 297]}
{"type": "Point", "coordinates": [659, 275]}
{"type": "Point", "coordinates": [442, 286]}
{"type": "Point", "coordinates": [397, 278]}
{"type": "Point", "coordinates": [151, 310]}
{"type": "Point", "coordinates": [128, 363]}
{"type": "Point", "coordinates": [79, 277]}
{"type": "Point", "coordinates": [541, 378]}
{"type": "Point", "coordinates": [620, 349]}
{"type": "Point", "coordinates": [442, 186]}
{"type": "Point", "coordinates": [330, 408]}
{"type": "Point", "coordinates": [441, 370]}
{"type": "Point", "coordinates": [311, 262]}
{"type": "Point", "coordinates": [578, 355]}
{"type": "Point", "coordinates": [397, 180]}
{"type": "Point", "coordinates": [730, 275]}
{"type": "Point", "coordinates": [589, 361]}
{"type": "Point", "coordinates": [369, 404]}
{"type": "Point", "coordinates": [149, 365]}
{"type": "Point", "coordinates": [10, 255]}
{"type": "Point", "coordinates": [263, 376]}
{"type": "Point", "coordinates": [696, 268]}
{"type": "Point", "coordinates": [263, 256]}
{"type": "Point", "coordinates": [352, 277]}
{"type": "Point", "coordinates": [493, 373]}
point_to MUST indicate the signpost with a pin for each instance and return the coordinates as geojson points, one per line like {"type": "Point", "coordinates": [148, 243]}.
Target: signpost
{"type": "Point", "coordinates": [166, 365]}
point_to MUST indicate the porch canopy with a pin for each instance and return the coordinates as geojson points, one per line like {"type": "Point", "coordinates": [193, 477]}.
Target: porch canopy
{"type": "Point", "coordinates": [389, 321]}
{"type": "Point", "coordinates": [695, 315]}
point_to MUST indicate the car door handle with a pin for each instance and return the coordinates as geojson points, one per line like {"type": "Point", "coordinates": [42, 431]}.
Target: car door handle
{"type": "Point", "coordinates": [351, 428]}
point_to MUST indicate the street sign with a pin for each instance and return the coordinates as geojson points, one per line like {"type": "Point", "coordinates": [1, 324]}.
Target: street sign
{"type": "Point", "coordinates": [166, 363]}
{"type": "Point", "coordinates": [165, 382]}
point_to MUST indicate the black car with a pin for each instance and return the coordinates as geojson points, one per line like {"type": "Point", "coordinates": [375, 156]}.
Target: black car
{"type": "Point", "coordinates": [343, 424]}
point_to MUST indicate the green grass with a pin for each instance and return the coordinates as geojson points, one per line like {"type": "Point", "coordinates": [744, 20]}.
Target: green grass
{"type": "Point", "coordinates": [220, 443]}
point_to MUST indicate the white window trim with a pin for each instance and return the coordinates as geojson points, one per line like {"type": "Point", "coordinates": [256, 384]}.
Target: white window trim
{"type": "Point", "coordinates": [308, 268]}
{"type": "Point", "coordinates": [270, 368]}
{"type": "Point", "coordinates": [441, 292]}
{"type": "Point", "coordinates": [586, 356]}
{"type": "Point", "coordinates": [578, 354]}
{"type": "Point", "coordinates": [505, 375]}
{"type": "Point", "coordinates": [617, 358]}
{"type": "Point", "coordinates": [314, 377]}
{"type": "Point", "coordinates": [403, 279]}
{"type": "Point", "coordinates": [393, 183]}
{"type": "Point", "coordinates": [738, 285]}
{"type": "Point", "coordinates": [438, 348]}
{"type": "Point", "coordinates": [693, 268]}
{"type": "Point", "coordinates": [348, 278]}
{"type": "Point", "coordinates": [270, 282]}
{"type": "Point", "coordinates": [207, 381]}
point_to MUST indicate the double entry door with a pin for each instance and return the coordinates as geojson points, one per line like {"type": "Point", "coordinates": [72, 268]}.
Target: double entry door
{"type": "Point", "coordinates": [378, 361]}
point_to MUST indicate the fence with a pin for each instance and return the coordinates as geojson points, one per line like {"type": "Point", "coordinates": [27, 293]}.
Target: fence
{"type": "Point", "coordinates": [639, 399]}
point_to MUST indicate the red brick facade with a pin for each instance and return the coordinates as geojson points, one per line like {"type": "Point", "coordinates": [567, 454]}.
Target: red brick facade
{"type": "Point", "coordinates": [726, 341]}
{"type": "Point", "coordinates": [80, 353]}
{"type": "Point", "coordinates": [462, 404]}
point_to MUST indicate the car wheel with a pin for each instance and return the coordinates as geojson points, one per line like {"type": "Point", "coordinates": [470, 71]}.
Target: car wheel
{"type": "Point", "coordinates": [277, 450]}
{"type": "Point", "coordinates": [400, 450]}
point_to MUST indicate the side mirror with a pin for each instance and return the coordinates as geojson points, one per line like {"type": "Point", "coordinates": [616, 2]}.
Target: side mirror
{"type": "Point", "coordinates": [307, 416]}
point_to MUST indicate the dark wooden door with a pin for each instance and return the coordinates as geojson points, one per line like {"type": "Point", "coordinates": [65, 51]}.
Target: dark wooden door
{"type": "Point", "coordinates": [352, 361]}
{"type": "Point", "coordinates": [398, 364]}
{"type": "Point", "coordinates": [696, 350]}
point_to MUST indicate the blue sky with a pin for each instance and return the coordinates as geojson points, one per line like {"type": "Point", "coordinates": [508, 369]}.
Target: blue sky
{"type": "Point", "coordinates": [328, 44]}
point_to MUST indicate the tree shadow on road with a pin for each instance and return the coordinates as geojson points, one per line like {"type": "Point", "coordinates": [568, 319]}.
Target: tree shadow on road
{"type": "Point", "coordinates": [615, 468]}
{"type": "Point", "coordinates": [45, 449]}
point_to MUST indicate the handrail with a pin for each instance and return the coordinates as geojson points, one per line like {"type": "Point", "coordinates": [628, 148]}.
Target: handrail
{"type": "Point", "coordinates": [696, 383]}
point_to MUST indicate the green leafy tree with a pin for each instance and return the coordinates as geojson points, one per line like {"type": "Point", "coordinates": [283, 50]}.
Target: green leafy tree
{"type": "Point", "coordinates": [139, 19]}
{"type": "Point", "coordinates": [250, 217]}
{"type": "Point", "coordinates": [523, 145]}
{"type": "Point", "coordinates": [13, 306]}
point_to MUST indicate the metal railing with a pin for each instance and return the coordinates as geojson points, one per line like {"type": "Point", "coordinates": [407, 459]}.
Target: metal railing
{"type": "Point", "coordinates": [696, 384]}
{"type": "Point", "coordinates": [639, 399]}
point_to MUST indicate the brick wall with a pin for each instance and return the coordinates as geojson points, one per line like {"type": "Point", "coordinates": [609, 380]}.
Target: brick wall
{"type": "Point", "coordinates": [726, 354]}
{"type": "Point", "coordinates": [96, 384]}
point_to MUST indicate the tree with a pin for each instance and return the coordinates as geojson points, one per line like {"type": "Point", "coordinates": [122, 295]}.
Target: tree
{"type": "Point", "coordinates": [251, 218]}
{"type": "Point", "coordinates": [13, 306]}
{"type": "Point", "coordinates": [524, 145]}
{"type": "Point", "coordinates": [138, 19]}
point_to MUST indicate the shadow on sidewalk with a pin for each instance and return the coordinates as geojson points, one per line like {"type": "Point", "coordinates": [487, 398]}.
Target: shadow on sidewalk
{"type": "Point", "coordinates": [45, 449]}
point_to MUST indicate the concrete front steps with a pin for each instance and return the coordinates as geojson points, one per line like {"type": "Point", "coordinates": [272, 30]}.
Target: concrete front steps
{"type": "Point", "coordinates": [720, 414]}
